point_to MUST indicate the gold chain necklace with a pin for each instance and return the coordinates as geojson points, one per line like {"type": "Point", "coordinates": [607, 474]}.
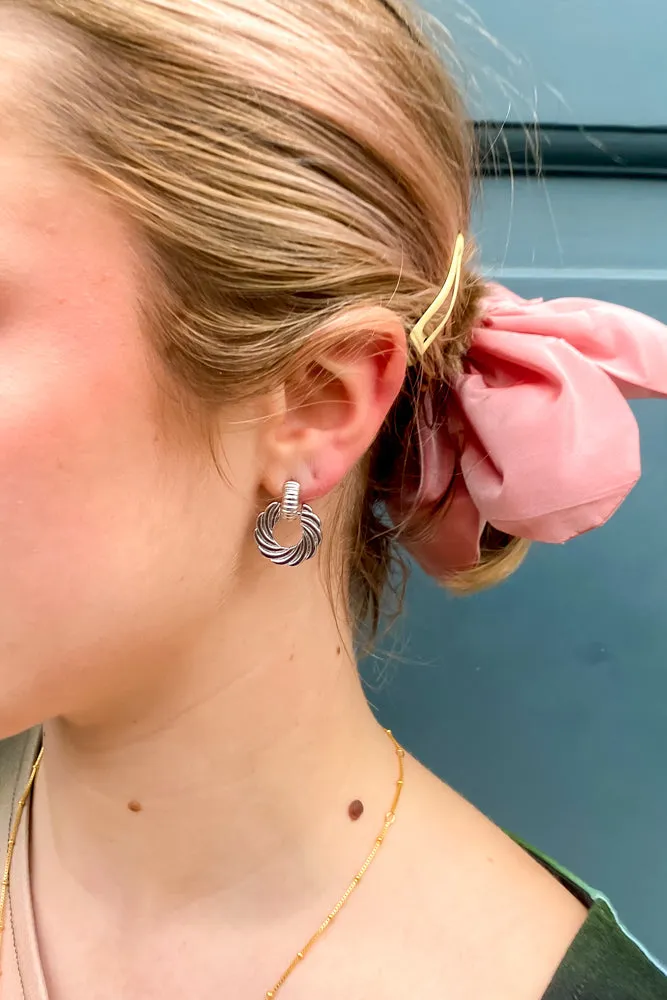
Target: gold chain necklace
{"type": "Point", "coordinates": [300, 956]}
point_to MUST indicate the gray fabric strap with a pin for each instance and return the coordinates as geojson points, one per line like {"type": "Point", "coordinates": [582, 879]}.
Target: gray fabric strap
{"type": "Point", "coordinates": [17, 756]}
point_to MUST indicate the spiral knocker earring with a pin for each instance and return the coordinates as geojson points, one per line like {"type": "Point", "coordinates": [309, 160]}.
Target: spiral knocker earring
{"type": "Point", "coordinates": [290, 509]}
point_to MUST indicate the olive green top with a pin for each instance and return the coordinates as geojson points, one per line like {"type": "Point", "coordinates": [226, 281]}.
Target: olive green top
{"type": "Point", "coordinates": [604, 962]}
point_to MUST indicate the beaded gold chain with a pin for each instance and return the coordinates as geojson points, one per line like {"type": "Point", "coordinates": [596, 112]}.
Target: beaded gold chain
{"type": "Point", "coordinates": [388, 821]}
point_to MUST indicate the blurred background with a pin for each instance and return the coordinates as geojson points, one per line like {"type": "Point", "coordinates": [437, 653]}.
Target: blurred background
{"type": "Point", "coordinates": [545, 701]}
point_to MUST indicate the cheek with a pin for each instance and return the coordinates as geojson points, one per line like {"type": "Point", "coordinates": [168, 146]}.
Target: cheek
{"type": "Point", "coordinates": [73, 415]}
{"type": "Point", "coordinates": [116, 537]}
{"type": "Point", "coordinates": [74, 401]}
{"type": "Point", "coordinates": [111, 537]}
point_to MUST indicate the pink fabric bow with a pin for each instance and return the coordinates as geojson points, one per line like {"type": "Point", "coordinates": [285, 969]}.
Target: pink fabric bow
{"type": "Point", "coordinates": [538, 439]}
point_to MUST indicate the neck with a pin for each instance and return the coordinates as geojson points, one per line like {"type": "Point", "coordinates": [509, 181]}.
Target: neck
{"type": "Point", "coordinates": [231, 778]}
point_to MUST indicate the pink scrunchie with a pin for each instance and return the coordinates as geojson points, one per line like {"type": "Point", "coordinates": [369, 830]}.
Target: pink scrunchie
{"type": "Point", "coordinates": [539, 440]}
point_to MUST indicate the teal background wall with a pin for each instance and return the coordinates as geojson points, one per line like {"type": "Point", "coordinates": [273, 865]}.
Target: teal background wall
{"type": "Point", "coordinates": [583, 61]}
{"type": "Point", "coordinates": [545, 701]}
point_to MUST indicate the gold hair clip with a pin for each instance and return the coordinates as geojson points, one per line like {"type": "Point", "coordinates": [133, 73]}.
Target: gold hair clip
{"type": "Point", "coordinates": [451, 286]}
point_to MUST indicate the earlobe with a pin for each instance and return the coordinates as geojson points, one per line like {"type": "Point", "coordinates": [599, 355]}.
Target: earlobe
{"type": "Point", "coordinates": [335, 406]}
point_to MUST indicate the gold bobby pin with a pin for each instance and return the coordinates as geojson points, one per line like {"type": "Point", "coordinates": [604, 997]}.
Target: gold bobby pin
{"type": "Point", "coordinates": [420, 341]}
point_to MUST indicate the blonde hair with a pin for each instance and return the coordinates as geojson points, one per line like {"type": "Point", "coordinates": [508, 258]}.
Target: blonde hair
{"type": "Point", "coordinates": [284, 162]}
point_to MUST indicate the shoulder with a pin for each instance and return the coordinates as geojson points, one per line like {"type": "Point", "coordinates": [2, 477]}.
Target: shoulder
{"type": "Point", "coordinates": [543, 932]}
{"type": "Point", "coordinates": [478, 910]}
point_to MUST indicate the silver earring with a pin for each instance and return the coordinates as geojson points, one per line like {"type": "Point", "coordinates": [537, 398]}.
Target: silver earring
{"type": "Point", "coordinates": [289, 509]}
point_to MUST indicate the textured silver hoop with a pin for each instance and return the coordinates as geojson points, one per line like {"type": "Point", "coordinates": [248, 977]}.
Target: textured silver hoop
{"type": "Point", "coordinates": [288, 509]}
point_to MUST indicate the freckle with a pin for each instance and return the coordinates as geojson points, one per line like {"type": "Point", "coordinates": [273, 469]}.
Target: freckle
{"type": "Point", "coordinates": [338, 651]}
{"type": "Point", "coordinates": [356, 809]}
{"type": "Point", "coordinates": [134, 806]}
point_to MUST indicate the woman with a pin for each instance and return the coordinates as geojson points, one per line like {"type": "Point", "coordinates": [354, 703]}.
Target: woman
{"type": "Point", "coordinates": [226, 349]}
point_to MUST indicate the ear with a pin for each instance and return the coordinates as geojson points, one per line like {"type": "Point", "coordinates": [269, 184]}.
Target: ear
{"type": "Point", "coordinates": [333, 408]}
